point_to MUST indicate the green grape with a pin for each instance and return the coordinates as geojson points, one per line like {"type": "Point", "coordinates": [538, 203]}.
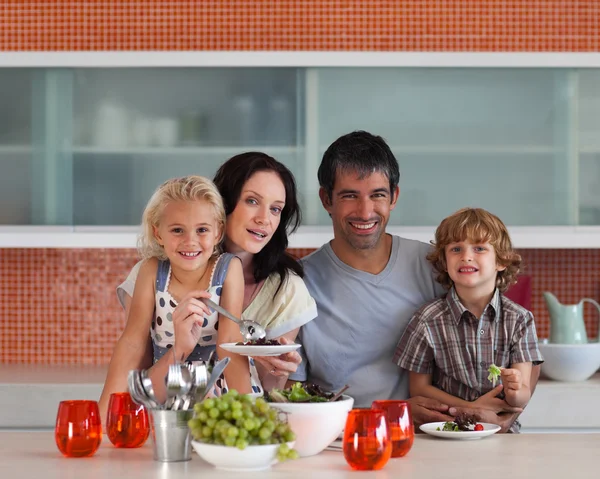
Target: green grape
{"type": "Point", "coordinates": [202, 416]}
{"type": "Point", "coordinates": [270, 425]}
{"type": "Point", "coordinates": [240, 421]}
{"type": "Point", "coordinates": [241, 444]}
{"type": "Point", "coordinates": [194, 423]}
{"type": "Point", "coordinates": [236, 414]}
{"type": "Point", "coordinates": [230, 441]}
{"type": "Point", "coordinates": [210, 422]}
{"type": "Point", "coordinates": [284, 449]}
{"type": "Point", "coordinates": [293, 454]}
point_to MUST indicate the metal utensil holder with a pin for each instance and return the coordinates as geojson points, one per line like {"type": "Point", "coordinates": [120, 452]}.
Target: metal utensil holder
{"type": "Point", "coordinates": [171, 437]}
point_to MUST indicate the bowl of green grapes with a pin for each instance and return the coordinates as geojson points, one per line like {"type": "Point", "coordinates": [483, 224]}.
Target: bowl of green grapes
{"type": "Point", "coordinates": [241, 433]}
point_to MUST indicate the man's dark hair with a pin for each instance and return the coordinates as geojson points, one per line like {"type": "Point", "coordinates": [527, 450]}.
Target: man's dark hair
{"type": "Point", "coordinates": [360, 152]}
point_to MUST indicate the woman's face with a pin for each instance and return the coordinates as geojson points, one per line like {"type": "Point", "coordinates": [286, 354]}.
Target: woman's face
{"type": "Point", "coordinates": [257, 213]}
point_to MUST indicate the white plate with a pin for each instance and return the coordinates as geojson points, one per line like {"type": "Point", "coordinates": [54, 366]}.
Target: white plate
{"type": "Point", "coordinates": [259, 350]}
{"type": "Point", "coordinates": [431, 428]}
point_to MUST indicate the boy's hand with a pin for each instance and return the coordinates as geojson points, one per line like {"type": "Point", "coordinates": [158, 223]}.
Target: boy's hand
{"type": "Point", "coordinates": [512, 379]}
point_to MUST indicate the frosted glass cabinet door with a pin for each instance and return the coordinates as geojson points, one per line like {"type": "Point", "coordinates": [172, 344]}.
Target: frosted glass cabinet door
{"type": "Point", "coordinates": [15, 146]}
{"type": "Point", "coordinates": [494, 138]}
{"type": "Point", "coordinates": [589, 147]}
{"type": "Point", "coordinates": [134, 128]}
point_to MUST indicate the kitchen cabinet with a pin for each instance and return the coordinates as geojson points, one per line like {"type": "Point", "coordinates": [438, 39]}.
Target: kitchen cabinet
{"type": "Point", "coordinates": [85, 147]}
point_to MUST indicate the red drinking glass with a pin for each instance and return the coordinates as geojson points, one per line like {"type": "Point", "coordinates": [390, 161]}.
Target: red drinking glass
{"type": "Point", "coordinates": [402, 431]}
{"type": "Point", "coordinates": [127, 423]}
{"type": "Point", "coordinates": [78, 431]}
{"type": "Point", "coordinates": [367, 444]}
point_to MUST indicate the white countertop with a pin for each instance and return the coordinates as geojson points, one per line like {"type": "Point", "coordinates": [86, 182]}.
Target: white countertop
{"type": "Point", "coordinates": [555, 406]}
{"type": "Point", "coordinates": [547, 456]}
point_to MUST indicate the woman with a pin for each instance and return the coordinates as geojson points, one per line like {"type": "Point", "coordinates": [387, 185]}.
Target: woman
{"type": "Point", "coordinates": [261, 205]}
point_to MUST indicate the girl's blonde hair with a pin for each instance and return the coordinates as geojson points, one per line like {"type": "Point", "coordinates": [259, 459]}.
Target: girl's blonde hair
{"type": "Point", "coordinates": [187, 188]}
{"type": "Point", "coordinates": [479, 226]}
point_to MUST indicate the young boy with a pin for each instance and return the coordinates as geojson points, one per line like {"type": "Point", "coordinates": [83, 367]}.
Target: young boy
{"type": "Point", "coordinates": [451, 342]}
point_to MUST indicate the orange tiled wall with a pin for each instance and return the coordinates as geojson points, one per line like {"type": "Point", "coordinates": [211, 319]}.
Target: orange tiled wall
{"type": "Point", "coordinates": [441, 25]}
{"type": "Point", "coordinates": [59, 305]}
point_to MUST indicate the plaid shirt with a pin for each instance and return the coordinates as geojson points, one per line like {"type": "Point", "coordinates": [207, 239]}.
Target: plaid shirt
{"type": "Point", "coordinates": [443, 338]}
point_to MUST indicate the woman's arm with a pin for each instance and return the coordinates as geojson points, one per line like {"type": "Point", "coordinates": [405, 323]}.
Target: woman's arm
{"type": "Point", "coordinates": [134, 348]}
{"type": "Point", "coordinates": [275, 370]}
{"type": "Point", "coordinates": [237, 373]}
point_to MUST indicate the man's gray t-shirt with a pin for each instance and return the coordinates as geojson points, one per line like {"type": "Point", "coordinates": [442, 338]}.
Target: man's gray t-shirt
{"type": "Point", "coordinates": [361, 317]}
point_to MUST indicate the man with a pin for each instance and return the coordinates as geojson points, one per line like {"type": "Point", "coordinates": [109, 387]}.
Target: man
{"type": "Point", "coordinates": [367, 285]}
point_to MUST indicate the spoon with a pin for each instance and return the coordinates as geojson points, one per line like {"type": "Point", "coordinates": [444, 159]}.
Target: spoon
{"type": "Point", "coordinates": [339, 393]}
{"type": "Point", "coordinates": [251, 330]}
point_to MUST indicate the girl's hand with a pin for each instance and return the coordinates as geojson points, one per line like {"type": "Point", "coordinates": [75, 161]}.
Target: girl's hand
{"type": "Point", "coordinates": [490, 401]}
{"type": "Point", "coordinates": [188, 318]}
{"type": "Point", "coordinates": [512, 379]}
{"type": "Point", "coordinates": [282, 365]}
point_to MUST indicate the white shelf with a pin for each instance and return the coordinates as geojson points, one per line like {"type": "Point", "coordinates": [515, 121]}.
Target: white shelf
{"type": "Point", "coordinates": [22, 149]}
{"type": "Point", "coordinates": [476, 149]}
{"type": "Point", "coordinates": [572, 237]}
{"type": "Point", "coordinates": [471, 149]}
{"type": "Point", "coordinates": [184, 150]}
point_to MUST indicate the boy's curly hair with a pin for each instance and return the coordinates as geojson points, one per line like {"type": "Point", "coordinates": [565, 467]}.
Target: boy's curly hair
{"type": "Point", "coordinates": [478, 226]}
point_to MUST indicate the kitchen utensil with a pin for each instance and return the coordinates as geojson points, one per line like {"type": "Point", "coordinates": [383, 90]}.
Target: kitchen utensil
{"type": "Point", "coordinates": [218, 369]}
{"type": "Point", "coordinates": [566, 320]}
{"type": "Point", "coordinates": [250, 330]}
{"type": "Point", "coordinates": [339, 393]}
{"type": "Point", "coordinates": [171, 436]}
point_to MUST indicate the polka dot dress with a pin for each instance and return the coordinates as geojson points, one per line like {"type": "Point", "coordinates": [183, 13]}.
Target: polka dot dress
{"type": "Point", "coordinates": [163, 333]}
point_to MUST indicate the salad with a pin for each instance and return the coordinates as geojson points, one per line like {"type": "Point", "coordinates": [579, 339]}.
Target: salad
{"type": "Point", "coordinates": [299, 392]}
{"type": "Point", "coordinates": [462, 422]}
{"type": "Point", "coordinates": [494, 374]}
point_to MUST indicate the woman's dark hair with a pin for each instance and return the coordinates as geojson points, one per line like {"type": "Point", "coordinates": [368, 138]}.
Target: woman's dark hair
{"type": "Point", "coordinates": [360, 152]}
{"type": "Point", "coordinates": [231, 178]}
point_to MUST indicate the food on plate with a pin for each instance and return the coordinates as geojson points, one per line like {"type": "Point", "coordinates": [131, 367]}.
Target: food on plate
{"type": "Point", "coordinates": [494, 374]}
{"type": "Point", "coordinates": [260, 342]}
{"type": "Point", "coordinates": [239, 421]}
{"type": "Point", "coordinates": [462, 422]}
{"type": "Point", "coordinates": [299, 392]}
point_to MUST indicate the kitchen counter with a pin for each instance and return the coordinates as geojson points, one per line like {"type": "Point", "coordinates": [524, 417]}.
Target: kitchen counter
{"type": "Point", "coordinates": [555, 406]}
{"type": "Point", "coordinates": [34, 454]}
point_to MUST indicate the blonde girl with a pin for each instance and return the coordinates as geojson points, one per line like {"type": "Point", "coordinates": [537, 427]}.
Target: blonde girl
{"type": "Point", "coordinates": [183, 227]}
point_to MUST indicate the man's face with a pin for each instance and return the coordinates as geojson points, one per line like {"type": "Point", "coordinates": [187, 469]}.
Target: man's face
{"type": "Point", "coordinates": [360, 208]}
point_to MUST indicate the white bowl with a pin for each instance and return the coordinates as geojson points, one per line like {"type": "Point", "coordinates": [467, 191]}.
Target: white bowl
{"type": "Point", "coordinates": [253, 458]}
{"type": "Point", "coordinates": [570, 362]}
{"type": "Point", "coordinates": [316, 424]}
